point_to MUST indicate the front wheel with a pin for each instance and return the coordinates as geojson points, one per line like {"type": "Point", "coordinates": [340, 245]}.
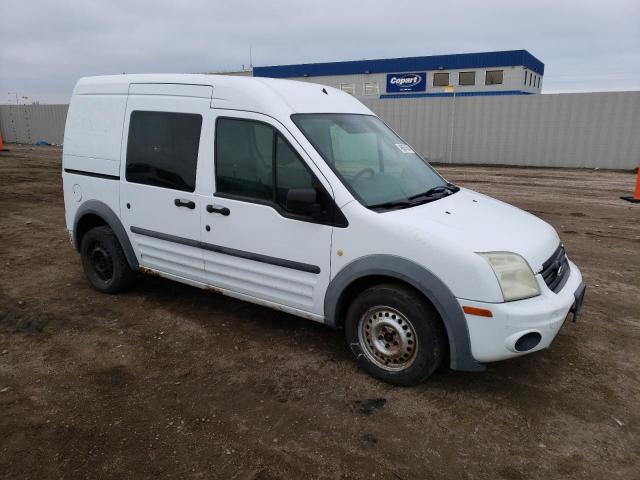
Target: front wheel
{"type": "Point", "coordinates": [396, 335]}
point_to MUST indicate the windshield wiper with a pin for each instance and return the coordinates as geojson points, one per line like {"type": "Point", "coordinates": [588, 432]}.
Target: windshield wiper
{"type": "Point", "coordinates": [428, 196]}
{"type": "Point", "coordinates": [392, 205]}
{"type": "Point", "coordinates": [448, 187]}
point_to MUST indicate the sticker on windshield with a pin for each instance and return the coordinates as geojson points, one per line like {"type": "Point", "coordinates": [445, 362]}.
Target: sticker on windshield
{"type": "Point", "coordinates": [404, 148]}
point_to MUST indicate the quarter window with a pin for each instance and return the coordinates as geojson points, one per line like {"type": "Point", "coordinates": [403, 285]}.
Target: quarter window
{"type": "Point", "coordinates": [494, 77]}
{"type": "Point", "coordinates": [162, 149]}
{"type": "Point", "coordinates": [467, 78]}
{"type": "Point", "coordinates": [441, 79]}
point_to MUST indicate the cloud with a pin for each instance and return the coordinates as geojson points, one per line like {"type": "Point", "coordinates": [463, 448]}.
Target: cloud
{"type": "Point", "coordinates": [46, 46]}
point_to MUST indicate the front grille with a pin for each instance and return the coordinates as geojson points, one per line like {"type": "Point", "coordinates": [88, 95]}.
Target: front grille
{"type": "Point", "coordinates": [555, 271]}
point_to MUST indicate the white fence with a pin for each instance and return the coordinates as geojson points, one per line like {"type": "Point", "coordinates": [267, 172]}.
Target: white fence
{"type": "Point", "coordinates": [33, 123]}
{"type": "Point", "coordinates": [559, 130]}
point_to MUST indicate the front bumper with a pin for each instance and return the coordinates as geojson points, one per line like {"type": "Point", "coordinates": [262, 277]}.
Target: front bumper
{"type": "Point", "coordinates": [496, 338]}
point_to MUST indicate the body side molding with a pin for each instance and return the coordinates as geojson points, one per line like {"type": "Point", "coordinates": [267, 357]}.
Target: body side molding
{"type": "Point", "coordinates": [424, 281]}
{"type": "Point", "coordinates": [280, 262]}
{"type": "Point", "coordinates": [102, 210]}
{"type": "Point", "coordinates": [86, 173]}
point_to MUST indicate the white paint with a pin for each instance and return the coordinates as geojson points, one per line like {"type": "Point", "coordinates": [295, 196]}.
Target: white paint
{"type": "Point", "coordinates": [88, 135]}
{"type": "Point", "coordinates": [492, 339]}
{"type": "Point", "coordinates": [77, 192]}
{"type": "Point", "coordinates": [441, 236]}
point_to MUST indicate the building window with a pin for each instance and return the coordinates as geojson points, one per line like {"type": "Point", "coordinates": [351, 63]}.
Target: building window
{"type": "Point", "coordinates": [525, 77]}
{"type": "Point", "coordinates": [162, 149]}
{"type": "Point", "coordinates": [538, 81]}
{"type": "Point", "coordinates": [530, 79]}
{"type": "Point", "coordinates": [494, 77]}
{"type": "Point", "coordinates": [350, 88]}
{"type": "Point", "coordinates": [371, 88]}
{"type": "Point", "coordinates": [440, 79]}
{"type": "Point", "coordinates": [467, 78]}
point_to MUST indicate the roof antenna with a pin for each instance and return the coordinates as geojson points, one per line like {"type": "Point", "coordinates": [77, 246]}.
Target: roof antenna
{"type": "Point", "coordinates": [324, 90]}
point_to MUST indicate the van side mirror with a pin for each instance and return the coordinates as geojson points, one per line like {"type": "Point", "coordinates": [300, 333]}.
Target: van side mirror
{"type": "Point", "coordinates": [305, 201]}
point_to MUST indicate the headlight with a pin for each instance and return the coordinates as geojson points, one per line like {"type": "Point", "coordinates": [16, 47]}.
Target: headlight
{"type": "Point", "coordinates": [514, 275]}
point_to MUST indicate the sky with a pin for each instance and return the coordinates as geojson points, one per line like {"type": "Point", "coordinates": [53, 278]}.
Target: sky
{"type": "Point", "coordinates": [45, 46]}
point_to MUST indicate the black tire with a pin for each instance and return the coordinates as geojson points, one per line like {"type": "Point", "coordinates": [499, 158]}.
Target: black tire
{"type": "Point", "coordinates": [414, 339]}
{"type": "Point", "coordinates": [104, 262]}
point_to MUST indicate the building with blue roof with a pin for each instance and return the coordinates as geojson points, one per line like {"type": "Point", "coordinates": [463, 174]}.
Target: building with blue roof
{"type": "Point", "coordinates": [511, 72]}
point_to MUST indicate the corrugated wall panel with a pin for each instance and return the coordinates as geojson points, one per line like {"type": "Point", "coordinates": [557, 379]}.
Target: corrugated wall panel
{"type": "Point", "coordinates": [32, 123]}
{"type": "Point", "coordinates": [586, 130]}
{"type": "Point", "coordinates": [562, 130]}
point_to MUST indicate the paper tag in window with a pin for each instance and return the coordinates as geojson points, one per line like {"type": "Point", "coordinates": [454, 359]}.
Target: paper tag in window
{"type": "Point", "coordinates": [404, 148]}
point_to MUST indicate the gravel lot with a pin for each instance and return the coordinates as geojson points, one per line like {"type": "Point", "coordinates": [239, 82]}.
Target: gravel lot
{"type": "Point", "coordinates": [170, 381]}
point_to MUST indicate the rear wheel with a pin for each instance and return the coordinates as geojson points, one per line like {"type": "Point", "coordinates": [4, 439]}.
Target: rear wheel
{"type": "Point", "coordinates": [396, 335]}
{"type": "Point", "coordinates": [104, 262]}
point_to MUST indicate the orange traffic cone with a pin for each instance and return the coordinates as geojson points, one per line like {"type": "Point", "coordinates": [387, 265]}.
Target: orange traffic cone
{"type": "Point", "coordinates": [636, 195]}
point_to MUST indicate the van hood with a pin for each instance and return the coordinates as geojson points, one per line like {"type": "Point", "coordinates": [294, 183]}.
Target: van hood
{"type": "Point", "coordinates": [483, 224]}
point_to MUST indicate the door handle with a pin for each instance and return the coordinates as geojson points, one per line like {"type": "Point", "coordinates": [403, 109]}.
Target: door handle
{"type": "Point", "coordinates": [218, 209]}
{"type": "Point", "coordinates": [179, 202]}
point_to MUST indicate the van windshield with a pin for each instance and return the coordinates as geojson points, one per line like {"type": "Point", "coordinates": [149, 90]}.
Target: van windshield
{"type": "Point", "coordinates": [372, 161]}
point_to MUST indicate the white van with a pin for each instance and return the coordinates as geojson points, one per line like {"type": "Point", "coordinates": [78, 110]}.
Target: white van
{"type": "Point", "coordinates": [297, 197]}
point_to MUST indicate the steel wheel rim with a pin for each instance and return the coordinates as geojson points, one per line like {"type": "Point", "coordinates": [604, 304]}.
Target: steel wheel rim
{"type": "Point", "coordinates": [388, 338]}
{"type": "Point", "coordinates": [101, 261]}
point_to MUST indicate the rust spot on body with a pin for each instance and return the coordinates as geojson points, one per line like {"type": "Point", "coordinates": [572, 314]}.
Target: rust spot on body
{"type": "Point", "coordinates": [148, 271]}
{"type": "Point", "coordinates": [214, 290]}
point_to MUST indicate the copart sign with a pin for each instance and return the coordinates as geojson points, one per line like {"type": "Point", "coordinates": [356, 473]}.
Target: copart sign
{"type": "Point", "coordinates": [406, 82]}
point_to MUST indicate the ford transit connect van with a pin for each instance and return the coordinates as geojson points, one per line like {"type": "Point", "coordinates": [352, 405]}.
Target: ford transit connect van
{"type": "Point", "coordinates": [297, 197]}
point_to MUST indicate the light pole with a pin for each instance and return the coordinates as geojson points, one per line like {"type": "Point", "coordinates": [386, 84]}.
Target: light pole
{"type": "Point", "coordinates": [13, 121]}
{"type": "Point", "coordinates": [450, 88]}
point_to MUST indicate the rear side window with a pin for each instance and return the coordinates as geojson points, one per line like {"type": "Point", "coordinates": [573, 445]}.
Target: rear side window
{"type": "Point", "coordinates": [162, 149]}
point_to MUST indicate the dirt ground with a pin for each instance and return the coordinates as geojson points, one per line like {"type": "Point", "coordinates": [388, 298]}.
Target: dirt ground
{"type": "Point", "coordinates": [170, 381]}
